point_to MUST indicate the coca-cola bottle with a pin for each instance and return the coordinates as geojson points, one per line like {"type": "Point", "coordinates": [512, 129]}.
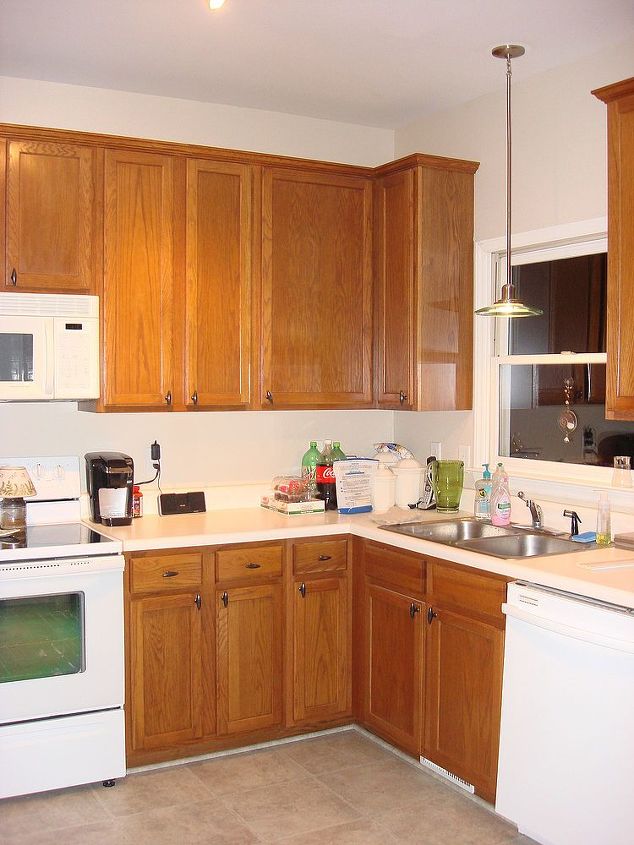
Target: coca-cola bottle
{"type": "Point", "coordinates": [326, 486]}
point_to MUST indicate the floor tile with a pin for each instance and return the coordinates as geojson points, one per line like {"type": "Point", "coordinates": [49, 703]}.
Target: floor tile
{"type": "Point", "coordinates": [375, 789]}
{"type": "Point", "coordinates": [102, 833]}
{"type": "Point", "coordinates": [239, 772]}
{"type": "Point", "coordinates": [138, 792]}
{"type": "Point", "coordinates": [363, 832]}
{"type": "Point", "coordinates": [45, 811]}
{"type": "Point", "coordinates": [447, 818]}
{"type": "Point", "coordinates": [337, 751]}
{"type": "Point", "coordinates": [207, 822]}
{"type": "Point", "coordinates": [292, 808]}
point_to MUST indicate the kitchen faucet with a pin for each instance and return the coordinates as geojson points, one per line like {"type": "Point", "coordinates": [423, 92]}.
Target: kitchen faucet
{"type": "Point", "coordinates": [534, 508]}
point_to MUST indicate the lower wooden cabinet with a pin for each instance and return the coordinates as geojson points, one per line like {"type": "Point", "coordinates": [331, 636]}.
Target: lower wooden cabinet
{"type": "Point", "coordinates": [249, 657]}
{"type": "Point", "coordinates": [395, 660]}
{"type": "Point", "coordinates": [165, 636]}
{"type": "Point", "coordinates": [321, 649]}
{"type": "Point", "coordinates": [464, 685]}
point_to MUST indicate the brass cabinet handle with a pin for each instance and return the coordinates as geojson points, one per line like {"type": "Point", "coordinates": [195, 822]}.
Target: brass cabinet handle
{"type": "Point", "coordinates": [170, 573]}
{"type": "Point", "coordinates": [269, 396]}
{"type": "Point", "coordinates": [195, 397]}
{"type": "Point", "coordinates": [302, 590]}
{"type": "Point", "coordinates": [402, 397]}
{"type": "Point", "coordinates": [14, 277]}
{"type": "Point", "coordinates": [413, 610]}
{"type": "Point", "coordinates": [252, 565]}
{"type": "Point", "coordinates": [325, 557]}
{"type": "Point", "coordinates": [198, 601]}
{"type": "Point", "coordinates": [431, 615]}
{"type": "Point", "coordinates": [168, 397]}
{"type": "Point", "coordinates": [225, 598]}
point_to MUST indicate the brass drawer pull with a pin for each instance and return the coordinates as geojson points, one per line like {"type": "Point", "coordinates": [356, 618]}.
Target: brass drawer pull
{"type": "Point", "coordinates": [325, 557]}
{"type": "Point", "coordinates": [195, 397]}
{"type": "Point", "coordinates": [302, 590]}
{"type": "Point", "coordinates": [225, 598]}
{"type": "Point", "coordinates": [252, 565]}
{"type": "Point", "coordinates": [170, 573]}
{"type": "Point", "coordinates": [168, 397]}
{"type": "Point", "coordinates": [413, 610]}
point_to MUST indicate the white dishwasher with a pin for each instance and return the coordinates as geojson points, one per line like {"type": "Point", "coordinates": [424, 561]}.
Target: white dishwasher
{"type": "Point", "coordinates": [566, 766]}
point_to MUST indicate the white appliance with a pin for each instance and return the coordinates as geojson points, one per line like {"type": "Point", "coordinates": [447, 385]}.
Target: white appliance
{"type": "Point", "coordinates": [566, 765]}
{"type": "Point", "coordinates": [61, 643]}
{"type": "Point", "coordinates": [49, 347]}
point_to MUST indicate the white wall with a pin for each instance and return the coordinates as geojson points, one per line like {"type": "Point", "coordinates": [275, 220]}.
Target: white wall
{"type": "Point", "coordinates": [51, 104]}
{"type": "Point", "coordinates": [559, 170]}
{"type": "Point", "coordinates": [202, 447]}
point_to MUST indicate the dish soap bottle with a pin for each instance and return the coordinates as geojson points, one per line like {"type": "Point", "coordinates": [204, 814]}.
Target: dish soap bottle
{"type": "Point", "coordinates": [500, 497]}
{"type": "Point", "coordinates": [482, 504]}
{"type": "Point", "coordinates": [604, 527]}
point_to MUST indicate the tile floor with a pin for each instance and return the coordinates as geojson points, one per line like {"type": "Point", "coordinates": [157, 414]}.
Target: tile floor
{"type": "Point", "coordinates": [338, 789]}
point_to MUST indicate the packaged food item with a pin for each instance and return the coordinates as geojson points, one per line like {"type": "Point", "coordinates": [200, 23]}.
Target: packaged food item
{"type": "Point", "coordinates": [291, 488]}
{"type": "Point", "coordinates": [137, 502]}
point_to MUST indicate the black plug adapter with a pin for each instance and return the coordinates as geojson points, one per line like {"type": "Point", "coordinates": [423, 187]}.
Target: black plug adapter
{"type": "Point", "coordinates": [155, 451]}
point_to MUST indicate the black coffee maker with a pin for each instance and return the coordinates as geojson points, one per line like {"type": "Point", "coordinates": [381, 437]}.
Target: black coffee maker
{"type": "Point", "coordinates": [109, 479]}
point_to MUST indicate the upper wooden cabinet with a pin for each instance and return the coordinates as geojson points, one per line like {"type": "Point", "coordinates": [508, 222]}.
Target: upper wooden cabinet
{"type": "Point", "coordinates": [138, 288]}
{"type": "Point", "coordinates": [53, 240]}
{"type": "Point", "coordinates": [316, 289]}
{"type": "Point", "coordinates": [423, 268]}
{"type": "Point", "coordinates": [218, 286]}
{"type": "Point", "coordinates": [619, 398]}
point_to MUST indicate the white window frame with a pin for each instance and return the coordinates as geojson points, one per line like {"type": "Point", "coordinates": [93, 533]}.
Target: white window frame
{"type": "Point", "coordinates": [564, 241]}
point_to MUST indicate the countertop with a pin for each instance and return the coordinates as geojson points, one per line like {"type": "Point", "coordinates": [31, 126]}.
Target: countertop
{"type": "Point", "coordinates": [612, 580]}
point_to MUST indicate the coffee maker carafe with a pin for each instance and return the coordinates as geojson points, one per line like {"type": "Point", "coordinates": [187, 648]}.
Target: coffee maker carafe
{"type": "Point", "coordinates": [110, 478]}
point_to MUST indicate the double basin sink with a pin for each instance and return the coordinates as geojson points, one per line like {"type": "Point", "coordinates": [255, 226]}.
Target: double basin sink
{"type": "Point", "coordinates": [509, 542]}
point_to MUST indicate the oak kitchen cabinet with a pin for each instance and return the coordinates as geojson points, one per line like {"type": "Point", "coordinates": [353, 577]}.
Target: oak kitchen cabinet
{"type": "Point", "coordinates": [316, 289]}
{"type": "Point", "coordinates": [53, 216]}
{"type": "Point", "coordinates": [321, 631]}
{"type": "Point", "coordinates": [423, 269]}
{"type": "Point", "coordinates": [465, 656]}
{"type": "Point", "coordinates": [619, 398]}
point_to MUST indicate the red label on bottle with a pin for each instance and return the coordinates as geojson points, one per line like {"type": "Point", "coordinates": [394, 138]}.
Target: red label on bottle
{"type": "Point", "coordinates": [325, 474]}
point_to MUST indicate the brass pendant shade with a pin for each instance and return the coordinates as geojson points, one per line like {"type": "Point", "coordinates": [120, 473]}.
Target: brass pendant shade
{"type": "Point", "coordinates": [508, 305]}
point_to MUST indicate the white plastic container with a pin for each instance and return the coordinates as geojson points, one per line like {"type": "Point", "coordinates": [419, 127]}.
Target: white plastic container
{"type": "Point", "coordinates": [409, 475]}
{"type": "Point", "coordinates": [383, 489]}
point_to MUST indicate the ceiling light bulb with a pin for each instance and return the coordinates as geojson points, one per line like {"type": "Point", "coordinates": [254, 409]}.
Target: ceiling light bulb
{"type": "Point", "coordinates": [216, 4]}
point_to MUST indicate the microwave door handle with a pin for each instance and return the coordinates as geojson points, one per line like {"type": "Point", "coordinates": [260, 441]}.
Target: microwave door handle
{"type": "Point", "coordinates": [49, 362]}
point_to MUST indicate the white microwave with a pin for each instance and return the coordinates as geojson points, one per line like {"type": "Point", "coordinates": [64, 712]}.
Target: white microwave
{"type": "Point", "coordinates": [49, 347]}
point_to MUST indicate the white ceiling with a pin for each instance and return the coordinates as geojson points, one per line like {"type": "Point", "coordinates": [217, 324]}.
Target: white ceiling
{"type": "Point", "coordinates": [376, 62]}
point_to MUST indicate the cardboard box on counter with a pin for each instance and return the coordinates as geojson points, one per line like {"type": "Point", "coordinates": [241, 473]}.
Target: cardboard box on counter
{"type": "Point", "coordinates": [312, 506]}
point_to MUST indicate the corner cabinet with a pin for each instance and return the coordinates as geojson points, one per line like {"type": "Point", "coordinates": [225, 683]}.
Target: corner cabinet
{"type": "Point", "coordinates": [423, 270]}
{"type": "Point", "coordinates": [316, 275]}
{"type": "Point", "coordinates": [619, 398]}
{"type": "Point", "coordinates": [53, 216]}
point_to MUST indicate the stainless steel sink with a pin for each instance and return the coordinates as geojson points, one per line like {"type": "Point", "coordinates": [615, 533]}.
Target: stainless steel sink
{"type": "Point", "coordinates": [513, 541]}
{"type": "Point", "coordinates": [451, 531]}
{"type": "Point", "coordinates": [525, 544]}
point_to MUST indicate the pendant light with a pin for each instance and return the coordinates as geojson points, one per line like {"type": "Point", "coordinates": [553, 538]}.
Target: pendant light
{"type": "Point", "coordinates": [508, 305]}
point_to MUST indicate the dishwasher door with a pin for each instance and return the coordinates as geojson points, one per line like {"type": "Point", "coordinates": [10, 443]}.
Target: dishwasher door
{"type": "Point", "coordinates": [566, 765]}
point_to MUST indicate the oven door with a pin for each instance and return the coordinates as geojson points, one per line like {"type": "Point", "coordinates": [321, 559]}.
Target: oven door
{"type": "Point", "coordinates": [26, 358]}
{"type": "Point", "coordinates": [61, 637]}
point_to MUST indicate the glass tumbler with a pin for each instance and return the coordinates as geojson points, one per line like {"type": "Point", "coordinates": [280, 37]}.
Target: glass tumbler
{"type": "Point", "coordinates": [622, 475]}
{"type": "Point", "coordinates": [447, 479]}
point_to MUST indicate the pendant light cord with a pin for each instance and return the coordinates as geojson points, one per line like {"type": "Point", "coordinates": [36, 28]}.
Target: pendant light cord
{"type": "Point", "coordinates": [508, 174]}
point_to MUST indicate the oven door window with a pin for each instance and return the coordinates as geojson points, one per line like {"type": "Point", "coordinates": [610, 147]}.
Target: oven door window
{"type": "Point", "coordinates": [16, 357]}
{"type": "Point", "coordinates": [41, 637]}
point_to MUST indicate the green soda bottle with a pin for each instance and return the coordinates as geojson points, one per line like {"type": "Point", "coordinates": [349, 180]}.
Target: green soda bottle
{"type": "Point", "coordinates": [337, 454]}
{"type": "Point", "coordinates": [309, 466]}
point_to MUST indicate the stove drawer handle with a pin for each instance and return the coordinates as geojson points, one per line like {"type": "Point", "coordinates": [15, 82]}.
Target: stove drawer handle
{"type": "Point", "coordinates": [170, 573]}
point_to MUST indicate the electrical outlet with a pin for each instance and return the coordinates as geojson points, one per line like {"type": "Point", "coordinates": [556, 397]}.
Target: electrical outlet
{"type": "Point", "coordinates": [435, 448]}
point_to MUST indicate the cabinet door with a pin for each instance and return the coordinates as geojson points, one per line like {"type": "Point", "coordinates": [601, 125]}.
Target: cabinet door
{"type": "Point", "coordinates": [138, 280]}
{"type": "Point", "coordinates": [394, 676]}
{"type": "Point", "coordinates": [316, 290]}
{"type": "Point", "coordinates": [321, 654]}
{"type": "Point", "coordinates": [165, 646]}
{"type": "Point", "coordinates": [395, 289]}
{"type": "Point", "coordinates": [249, 644]}
{"type": "Point", "coordinates": [218, 292]}
{"type": "Point", "coordinates": [463, 698]}
{"type": "Point", "coordinates": [52, 233]}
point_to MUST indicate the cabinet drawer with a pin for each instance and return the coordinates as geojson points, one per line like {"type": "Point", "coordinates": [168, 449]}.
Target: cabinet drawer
{"type": "Point", "coordinates": [247, 564]}
{"type": "Point", "coordinates": [165, 572]}
{"type": "Point", "coordinates": [321, 556]}
{"type": "Point", "coordinates": [476, 592]}
{"type": "Point", "coordinates": [403, 571]}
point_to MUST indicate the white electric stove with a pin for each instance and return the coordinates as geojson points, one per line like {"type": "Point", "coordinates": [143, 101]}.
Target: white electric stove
{"type": "Point", "coordinates": [61, 642]}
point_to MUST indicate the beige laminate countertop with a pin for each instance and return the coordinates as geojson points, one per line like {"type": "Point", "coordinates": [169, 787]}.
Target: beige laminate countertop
{"type": "Point", "coordinates": [614, 583]}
